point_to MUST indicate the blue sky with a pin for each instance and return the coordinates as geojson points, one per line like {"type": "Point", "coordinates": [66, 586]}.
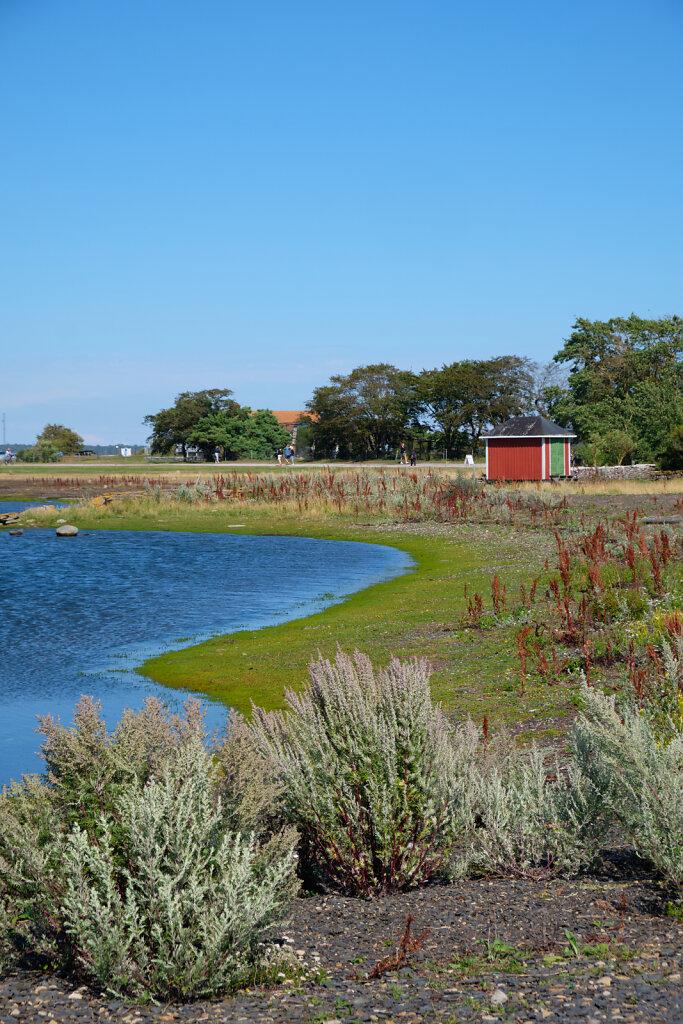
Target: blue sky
{"type": "Point", "coordinates": [257, 195]}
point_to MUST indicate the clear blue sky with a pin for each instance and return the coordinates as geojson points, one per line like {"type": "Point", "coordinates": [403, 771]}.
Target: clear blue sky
{"type": "Point", "coordinates": [257, 194]}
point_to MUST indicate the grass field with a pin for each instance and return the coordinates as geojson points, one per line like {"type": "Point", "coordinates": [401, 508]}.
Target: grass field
{"type": "Point", "coordinates": [473, 541]}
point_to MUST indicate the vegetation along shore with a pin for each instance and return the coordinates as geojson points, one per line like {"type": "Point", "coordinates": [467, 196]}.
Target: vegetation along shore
{"type": "Point", "coordinates": [510, 784]}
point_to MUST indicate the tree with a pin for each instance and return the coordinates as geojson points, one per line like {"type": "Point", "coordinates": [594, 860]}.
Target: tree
{"type": "Point", "coordinates": [672, 457]}
{"type": "Point", "coordinates": [174, 426]}
{"type": "Point", "coordinates": [364, 414]}
{"type": "Point", "coordinates": [617, 445]}
{"type": "Point", "coordinates": [57, 438]}
{"type": "Point", "coordinates": [240, 433]}
{"type": "Point", "coordinates": [550, 386]}
{"type": "Point", "coordinates": [464, 398]}
{"type": "Point", "coordinates": [626, 375]}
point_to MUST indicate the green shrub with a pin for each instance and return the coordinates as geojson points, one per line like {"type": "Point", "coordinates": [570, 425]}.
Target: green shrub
{"type": "Point", "coordinates": [638, 772]}
{"type": "Point", "coordinates": [377, 782]}
{"type": "Point", "coordinates": [133, 862]}
{"type": "Point", "coordinates": [538, 819]}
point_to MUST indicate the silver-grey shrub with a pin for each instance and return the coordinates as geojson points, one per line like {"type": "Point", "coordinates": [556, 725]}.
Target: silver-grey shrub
{"type": "Point", "coordinates": [538, 818]}
{"type": "Point", "coordinates": [185, 914]}
{"type": "Point", "coordinates": [377, 782]}
{"type": "Point", "coordinates": [638, 770]}
{"type": "Point", "coordinates": [135, 861]}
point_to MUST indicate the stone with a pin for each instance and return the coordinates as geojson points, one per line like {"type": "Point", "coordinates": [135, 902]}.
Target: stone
{"type": "Point", "coordinates": [67, 531]}
{"type": "Point", "coordinates": [642, 471]}
{"type": "Point", "coordinates": [60, 521]}
{"type": "Point", "coordinates": [605, 981]}
{"type": "Point", "coordinates": [498, 998]}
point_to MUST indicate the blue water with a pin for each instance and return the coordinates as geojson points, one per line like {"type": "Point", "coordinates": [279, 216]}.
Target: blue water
{"type": "Point", "coordinates": [21, 506]}
{"type": "Point", "coordinates": [77, 615]}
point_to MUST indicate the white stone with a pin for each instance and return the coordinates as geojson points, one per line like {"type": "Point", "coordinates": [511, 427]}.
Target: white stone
{"type": "Point", "coordinates": [67, 531]}
{"type": "Point", "coordinates": [498, 998]}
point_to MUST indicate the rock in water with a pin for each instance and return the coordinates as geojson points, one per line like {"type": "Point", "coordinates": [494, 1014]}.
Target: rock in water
{"type": "Point", "coordinates": [67, 531]}
{"type": "Point", "coordinates": [15, 533]}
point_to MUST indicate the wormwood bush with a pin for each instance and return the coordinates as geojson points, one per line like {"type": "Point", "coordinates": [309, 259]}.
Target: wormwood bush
{"type": "Point", "coordinates": [86, 767]}
{"type": "Point", "coordinates": [137, 862]}
{"type": "Point", "coordinates": [538, 819]}
{"type": "Point", "coordinates": [185, 915]}
{"type": "Point", "coordinates": [374, 778]}
{"type": "Point", "coordinates": [639, 775]}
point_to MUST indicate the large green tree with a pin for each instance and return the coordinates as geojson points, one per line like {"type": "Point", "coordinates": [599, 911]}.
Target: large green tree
{"type": "Point", "coordinates": [626, 378]}
{"type": "Point", "coordinates": [58, 438]}
{"type": "Point", "coordinates": [240, 433]}
{"type": "Point", "coordinates": [174, 425]}
{"type": "Point", "coordinates": [364, 414]}
{"type": "Point", "coordinates": [462, 399]}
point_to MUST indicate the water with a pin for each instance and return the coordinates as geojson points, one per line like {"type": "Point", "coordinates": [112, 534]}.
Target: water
{"type": "Point", "coordinates": [21, 506]}
{"type": "Point", "coordinates": [77, 615]}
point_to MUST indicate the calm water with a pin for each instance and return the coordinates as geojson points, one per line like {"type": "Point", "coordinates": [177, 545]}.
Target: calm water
{"type": "Point", "coordinates": [21, 506]}
{"type": "Point", "coordinates": [78, 614]}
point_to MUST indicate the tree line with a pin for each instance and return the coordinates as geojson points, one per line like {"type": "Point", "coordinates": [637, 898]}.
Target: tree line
{"type": "Point", "coordinates": [617, 383]}
{"type": "Point", "coordinates": [213, 419]}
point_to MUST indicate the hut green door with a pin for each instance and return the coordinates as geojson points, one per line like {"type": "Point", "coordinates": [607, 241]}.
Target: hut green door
{"type": "Point", "coordinates": [557, 456]}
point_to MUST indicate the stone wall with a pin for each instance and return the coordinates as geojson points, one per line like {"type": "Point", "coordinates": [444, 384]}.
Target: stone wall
{"type": "Point", "coordinates": [642, 471]}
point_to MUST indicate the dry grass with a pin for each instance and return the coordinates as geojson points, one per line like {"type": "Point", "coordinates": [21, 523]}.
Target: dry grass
{"type": "Point", "coordinates": [599, 487]}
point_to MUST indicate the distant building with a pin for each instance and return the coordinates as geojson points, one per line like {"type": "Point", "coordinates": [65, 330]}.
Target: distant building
{"type": "Point", "coordinates": [290, 418]}
{"type": "Point", "coordinates": [528, 448]}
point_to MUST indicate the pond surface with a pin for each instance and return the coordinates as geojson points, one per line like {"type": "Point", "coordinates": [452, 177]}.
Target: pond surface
{"type": "Point", "coordinates": [78, 614]}
{"type": "Point", "coordinates": [21, 506]}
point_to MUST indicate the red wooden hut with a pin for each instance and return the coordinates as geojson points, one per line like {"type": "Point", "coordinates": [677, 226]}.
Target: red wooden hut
{"type": "Point", "coordinates": [528, 448]}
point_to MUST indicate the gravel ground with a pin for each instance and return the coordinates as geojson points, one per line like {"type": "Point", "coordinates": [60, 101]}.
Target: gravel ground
{"type": "Point", "coordinates": [600, 948]}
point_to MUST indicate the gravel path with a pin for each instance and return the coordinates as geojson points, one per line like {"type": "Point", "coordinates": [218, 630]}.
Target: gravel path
{"type": "Point", "coordinates": [595, 949]}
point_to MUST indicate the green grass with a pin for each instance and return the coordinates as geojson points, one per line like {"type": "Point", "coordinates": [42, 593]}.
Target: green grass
{"type": "Point", "coordinates": [416, 615]}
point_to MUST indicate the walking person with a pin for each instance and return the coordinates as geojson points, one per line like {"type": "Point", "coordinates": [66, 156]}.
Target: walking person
{"type": "Point", "coordinates": [291, 455]}
{"type": "Point", "coordinates": [278, 453]}
{"type": "Point", "coordinates": [404, 454]}
{"type": "Point", "coordinates": [287, 449]}
{"type": "Point", "coordinates": [217, 454]}
{"type": "Point", "coordinates": [413, 458]}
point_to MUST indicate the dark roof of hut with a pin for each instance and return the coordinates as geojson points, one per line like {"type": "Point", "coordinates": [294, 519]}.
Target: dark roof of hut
{"type": "Point", "coordinates": [529, 426]}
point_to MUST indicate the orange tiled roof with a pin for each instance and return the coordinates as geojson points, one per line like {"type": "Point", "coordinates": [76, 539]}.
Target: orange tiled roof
{"type": "Point", "coordinates": [290, 417]}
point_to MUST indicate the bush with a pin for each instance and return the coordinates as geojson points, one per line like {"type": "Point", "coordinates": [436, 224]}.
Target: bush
{"type": "Point", "coordinates": [639, 775]}
{"type": "Point", "coordinates": [133, 864]}
{"type": "Point", "coordinates": [538, 819]}
{"type": "Point", "coordinates": [86, 768]}
{"type": "Point", "coordinates": [185, 915]}
{"type": "Point", "coordinates": [376, 781]}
